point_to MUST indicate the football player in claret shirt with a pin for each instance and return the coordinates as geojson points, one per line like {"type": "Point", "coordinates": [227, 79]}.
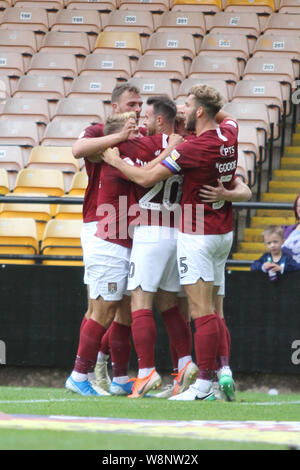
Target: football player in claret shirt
{"type": "Point", "coordinates": [205, 237]}
{"type": "Point", "coordinates": [107, 273]}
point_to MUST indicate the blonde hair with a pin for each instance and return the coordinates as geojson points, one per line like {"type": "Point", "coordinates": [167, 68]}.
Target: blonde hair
{"type": "Point", "coordinates": [208, 98]}
{"type": "Point", "coordinates": [114, 122]}
{"type": "Point", "coordinates": [277, 229]}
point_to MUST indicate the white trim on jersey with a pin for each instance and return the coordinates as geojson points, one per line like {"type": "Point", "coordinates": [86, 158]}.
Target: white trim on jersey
{"type": "Point", "coordinates": [220, 135]}
{"type": "Point", "coordinates": [231, 123]}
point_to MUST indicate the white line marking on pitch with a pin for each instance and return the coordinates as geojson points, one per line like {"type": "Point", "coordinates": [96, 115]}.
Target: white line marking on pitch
{"type": "Point", "coordinates": [53, 400]}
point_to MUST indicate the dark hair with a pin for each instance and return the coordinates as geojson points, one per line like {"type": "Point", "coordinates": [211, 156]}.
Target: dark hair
{"type": "Point", "coordinates": [162, 104]}
{"type": "Point", "coordinates": [120, 89]}
{"type": "Point", "coordinates": [295, 207]}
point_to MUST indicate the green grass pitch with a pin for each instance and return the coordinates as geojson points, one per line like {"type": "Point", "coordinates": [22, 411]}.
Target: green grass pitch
{"type": "Point", "coordinates": [249, 406]}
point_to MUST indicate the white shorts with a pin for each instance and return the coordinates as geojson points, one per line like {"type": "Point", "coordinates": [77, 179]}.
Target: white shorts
{"type": "Point", "coordinates": [203, 257]}
{"type": "Point", "coordinates": [153, 260]}
{"type": "Point", "coordinates": [106, 265]}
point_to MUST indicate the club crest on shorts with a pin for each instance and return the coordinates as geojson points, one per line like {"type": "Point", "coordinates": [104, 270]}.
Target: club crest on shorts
{"type": "Point", "coordinates": [112, 287]}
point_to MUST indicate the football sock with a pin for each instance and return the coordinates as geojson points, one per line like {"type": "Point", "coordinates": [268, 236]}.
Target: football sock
{"type": "Point", "coordinates": [90, 338]}
{"type": "Point", "coordinates": [144, 337]}
{"type": "Point", "coordinates": [104, 347]}
{"type": "Point", "coordinates": [84, 320]}
{"type": "Point", "coordinates": [223, 351]}
{"type": "Point", "coordinates": [120, 348]}
{"type": "Point", "coordinates": [177, 329]}
{"type": "Point", "coordinates": [206, 340]}
{"type": "Point", "coordinates": [145, 372]}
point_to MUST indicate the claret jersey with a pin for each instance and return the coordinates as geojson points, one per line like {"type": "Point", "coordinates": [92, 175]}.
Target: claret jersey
{"type": "Point", "coordinates": [203, 160]}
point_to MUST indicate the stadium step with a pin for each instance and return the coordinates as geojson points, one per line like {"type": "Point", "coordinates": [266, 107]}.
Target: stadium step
{"type": "Point", "coordinates": [290, 163]}
{"type": "Point", "coordinates": [279, 197]}
{"type": "Point", "coordinates": [292, 151]}
{"type": "Point", "coordinates": [247, 256]}
{"type": "Point", "coordinates": [296, 139]}
{"type": "Point", "coordinates": [263, 222]}
{"type": "Point", "coordinates": [251, 247]}
{"type": "Point", "coordinates": [274, 213]}
{"type": "Point", "coordinates": [253, 235]}
{"type": "Point", "coordinates": [284, 186]}
{"type": "Point", "coordinates": [286, 175]}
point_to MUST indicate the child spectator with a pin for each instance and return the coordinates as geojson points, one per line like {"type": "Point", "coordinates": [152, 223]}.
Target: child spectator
{"type": "Point", "coordinates": [276, 260]}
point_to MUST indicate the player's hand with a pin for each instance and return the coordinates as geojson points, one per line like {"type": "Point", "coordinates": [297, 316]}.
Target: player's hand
{"type": "Point", "coordinates": [112, 156]}
{"type": "Point", "coordinates": [174, 140]}
{"type": "Point", "coordinates": [129, 127]}
{"type": "Point", "coordinates": [210, 194]}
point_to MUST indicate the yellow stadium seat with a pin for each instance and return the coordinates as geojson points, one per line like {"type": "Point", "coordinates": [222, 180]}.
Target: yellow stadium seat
{"type": "Point", "coordinates": [18, 236]}
{"type": "Point", "coordinates": [41, 213]}
{"type": "Point", "coordinates": [4, 184]}
{"type": "Point", "coordinates": [49, 182]}
{"type": "Point", "coordinates": [68, 20]}
{"type": "Point", "coordinates": [257, 6]}
{"type": "Point", "coordinates": [31, 109]}
{"type": "Point", "coordinates": [154, 5]}
{"type": "Point", "coordinates": [113, 65]}
{"type": "Point", "coordinates": [207, 6]}
{"type": "Point", "coordinates": [116, 42]}
{"type": "Point", "coordinates": [192, 22]}
{"type": "Point", "coordinates": [62, 238]}
{"type": "Point", "coordinates": [79, 108]}
{"type": "Point", "coordinates": [139, 21]}
{"type": "Point", "coordinates": [12, 63]}
{"type": "Point", "coordinates": [79, 184]}
{"type": "Point", "coordinates": [55, 63]}
{"type": "Point", "coordinates": [32, 19]}
{"type": "Point", "coordinates": [69, 211]}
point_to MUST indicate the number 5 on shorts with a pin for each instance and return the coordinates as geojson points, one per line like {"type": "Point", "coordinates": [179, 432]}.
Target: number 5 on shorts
{"type": "Point", "coordinates": [183, 266]}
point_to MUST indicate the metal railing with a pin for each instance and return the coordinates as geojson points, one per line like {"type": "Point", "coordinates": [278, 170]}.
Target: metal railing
{"type": "Point", "coordinates": [38, 258]}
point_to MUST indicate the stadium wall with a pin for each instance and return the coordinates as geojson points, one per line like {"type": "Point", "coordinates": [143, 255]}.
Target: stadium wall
{"type": "Point", "coordinates": [42, 308]}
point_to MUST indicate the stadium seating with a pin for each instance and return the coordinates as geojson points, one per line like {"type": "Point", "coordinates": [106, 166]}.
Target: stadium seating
{"type": "Point", "coordinates": [192, 22]}
{"type": "Point", "coordinates": [4, 183]}
{"type": "Point", "coordinates": [46, 181]}
{"type": "Point", "coordinates": [115, 42]}
{"type": "Point", "coordinates": [289, 6]}
{"type": "Point", "coordinates": [47, 4]}
{"type": "Point", "coordinates": [246, 23]}
{"type": "Point", "coordinates": [12, 63]}
{"type": "Point", "coordinates": [41, 213]}
{"type": "Point", "coordinates": [154, 86]}
{"type": "Point", "coordinates": [154, 5]}
{"type": "Point", "coordinates": [18, 132]}
{"type": "Point", "coordinates": [179, 43]}
{"type": "Point", "coordinates": [64, 65]}
{"type": "Point", "coordinates": [68, 20]}
{"type": "Point", "coordinates": [62, 238]}
{"type": "Point", "coordinates": [69, 211]}
{"type": "Point", "coordinates": [79, 184]}
{"type": "Point", "coordinates": [86, 86]}
{"type": "Point", "coordinates": [257, 6]}
{"type": "Point", "coordinates": [118, 66]}
{"type": "Point", "coordinates": [63, 132]}
{"type": "Point", "coordinates": [161, 65]}
{"type": "Point", "coordinates": [206, 6]}
{"type": "Point", "coordinates": [20, 41]}
{"type": "Point", "coordinates": [139, 21]}
{"type": "Point", "coordinates": [29, 109]}
{"type": "Point", "coordinates": [50, 87]}
{"type": "Point", "coordinates": [79, 108]}
{"type": "Point", "coordinates": [74, 43]}
{"type": "Point", "coordinates": [18, 236]}
{"type": "Point", "coordinates": [99, 5]}
{"type": "Point", "coordinates": [284, 24]}
{"type": "Point", "coordinates": [32, 19]}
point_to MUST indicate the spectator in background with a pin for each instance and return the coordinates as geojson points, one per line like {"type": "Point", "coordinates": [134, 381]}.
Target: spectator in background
{"type": "Point", "coordinates": [275, 261]}
{"type": "Point", "coordinates": [292, 233]}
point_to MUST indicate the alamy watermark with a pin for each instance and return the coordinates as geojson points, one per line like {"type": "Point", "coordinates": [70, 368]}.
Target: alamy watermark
{"type": "Point", "coordinates": [2, 352]}
{"type": "Point", "coordinates": [295, 358]}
